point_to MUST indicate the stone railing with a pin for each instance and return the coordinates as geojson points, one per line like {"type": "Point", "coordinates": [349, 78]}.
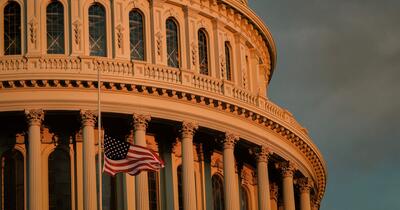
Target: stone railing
{"type": "Point", "coordinates": [141, 72]}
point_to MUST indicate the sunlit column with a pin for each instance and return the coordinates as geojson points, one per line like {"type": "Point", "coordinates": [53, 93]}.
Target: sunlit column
{"type": "Point", "coordinates": [34, 118]}
{"type": "Point", "coordinates": [305, 185]}
{"type": "Point", "coordinates": [274, 196]}
{"type": "Point", "coordinates": [230, 181]}
{"type": "Point", "coordinates": [141, 183]}
{"type": "Point", "coordinates": [188, 182]}
{"type": "Point", "coordinates": [288, 169]}
{"type": "Point", "coordinates": [89, 160]}
{"type": "Point", "coordinates": [263, 179]}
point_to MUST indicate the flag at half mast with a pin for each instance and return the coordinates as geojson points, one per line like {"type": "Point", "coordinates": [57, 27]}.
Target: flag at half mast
{"type": "Point", "coordinates": [123, 157]}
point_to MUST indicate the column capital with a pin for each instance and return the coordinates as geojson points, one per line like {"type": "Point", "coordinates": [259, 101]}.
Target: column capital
{"type": "Point", "coordinates": [263, 153]}
{"type": "Point", "coordinates": [188, 128]}
{"type": "Point", "coordinates": [34, 116]}
{"type": "Point", "coordinates": [140, 121]}
{"type": "Point", "coordinates": [230, 140]}
{"type": "Point", "coordinates": [305, 184]}
{"type": "Point", "coordinates": [88, 117]}
{"type": "Point", "coordinates": [273, 190]}
{"type": "Point", "coordinates": [288, 168]}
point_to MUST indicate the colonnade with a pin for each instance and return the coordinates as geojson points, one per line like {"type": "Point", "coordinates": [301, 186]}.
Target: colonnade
{"type": "Point", "coordinates": [267, 193]}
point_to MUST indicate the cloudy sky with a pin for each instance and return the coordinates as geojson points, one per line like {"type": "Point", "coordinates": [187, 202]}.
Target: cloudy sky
{"type": "Point", "coordinates": [338, 72]}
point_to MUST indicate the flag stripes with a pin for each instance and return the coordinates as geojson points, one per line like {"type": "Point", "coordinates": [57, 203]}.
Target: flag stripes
{"type": "Point", "coordinates": [119, 159]}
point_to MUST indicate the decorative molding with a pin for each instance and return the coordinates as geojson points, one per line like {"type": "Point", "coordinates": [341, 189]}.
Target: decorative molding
{"type": "Point", "coordinates": [120, 35]}
{"type": "Point", "coordinates": [159, 38]}
{"type": "Point", "coordinates": [77, 32]}
{"type": "Point", "coordinates": [140, 121]}
{"type": "Point", "coordinates": [34, 116]}
{"type": "Point", "coordinates": [33, 31]}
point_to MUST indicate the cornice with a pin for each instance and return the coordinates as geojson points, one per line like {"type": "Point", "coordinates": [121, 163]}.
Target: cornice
{"type": "Point", "coordinates": [298, 139]}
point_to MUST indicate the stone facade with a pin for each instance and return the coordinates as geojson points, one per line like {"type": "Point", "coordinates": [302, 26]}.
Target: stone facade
{"type": "Point", "coordinates": [202, 125]}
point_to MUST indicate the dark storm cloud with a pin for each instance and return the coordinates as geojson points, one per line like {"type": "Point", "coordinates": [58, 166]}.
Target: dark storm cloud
{"type": "Point", "coordinates": [338, 71]}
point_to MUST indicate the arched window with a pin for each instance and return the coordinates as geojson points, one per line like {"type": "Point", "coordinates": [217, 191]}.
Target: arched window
{"type": "Point", "coordinates": [97, 30]}
{"type": "Point", "coordinates": [55, 28]}
{"type": "Point", "coordinates": [12, 180]}
{"type": "Point", "coordinates": [180, 193]}
{"type": "Point", "coordinates": [60, 179]}
{"type": "Point", "coordinates": [244, 200]}
{"type": "Point", "coordinates": [172, 43]}
{"type": "Point", "coordinates": [203, 51]}
{"type": "Point", "coordinates": [218, 192]}
{"type": "Point", "coordinates": [228, 65]}
{"type": "Point", "coordinates": [12, 29]}
{"type": "Point", "coordinates": [153, 190]}
{"type": "Point", "coordinates": [136, 35]}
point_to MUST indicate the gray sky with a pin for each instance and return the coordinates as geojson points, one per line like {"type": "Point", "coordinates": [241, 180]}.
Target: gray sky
{"type": "Point", "coordinates": [338, 72]}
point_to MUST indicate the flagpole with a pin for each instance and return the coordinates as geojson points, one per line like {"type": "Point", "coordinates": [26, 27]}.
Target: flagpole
{"type": "Point", "coordinates": [99, 140]}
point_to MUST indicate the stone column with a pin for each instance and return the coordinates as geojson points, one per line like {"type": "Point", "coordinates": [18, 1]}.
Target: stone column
{"type": "Point", "coordinates": [288, 169]}
{"type": "Point", "coordinates": [89, 160]}
{"type": "Point", "coordinates": [34, 118]}
{"type": "Point", "coordinates": [188, 182]}
{"type": "Point", "coordinates": [305, 185]}
{"type": "Point", "coordinates": [230, 185]}
{"type": "Point", "coordinates": [141, 183]}
{"type": "Point", "coordinates": [263, 180]}
{"type": "Point", "coordinates": [274, 196]}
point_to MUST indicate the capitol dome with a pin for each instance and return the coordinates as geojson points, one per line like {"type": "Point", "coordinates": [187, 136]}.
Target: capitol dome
{"type": "Point", "coordinates": [186, 78]}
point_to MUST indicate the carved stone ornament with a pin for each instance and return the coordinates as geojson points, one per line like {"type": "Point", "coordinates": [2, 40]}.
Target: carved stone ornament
{"type": "Point", "coordinates": [77, 32]}
{"type": "Point", "coordinates": [159, 42]}
{"type": "Point", "coordinates": [88, 117]}
{"type": "Point", "coordinates": [120, 35]}
{"type": "Point", "coordinates": [263, 154]}
{"type": "Point", "coordinates": [140, 121]}
{"type": "Point", "coordinates": [222, 65]}
{"type": "Point", "coordinates": [305, 184]}
{"type": "Point", "coordinates": [33, 30]}
{"type": "Point", "coordinates": [194, 53]}
{"type": "Point", "coordinates": [34, 116]}
{"type": "Point", "coordinates": [188, 129]}
{"type": "Point", "coordinates": [230, 140]}
{"type": "Point", "coordinates": [273, 190]}
{"type": "Point", "coordinates": [288, 168]}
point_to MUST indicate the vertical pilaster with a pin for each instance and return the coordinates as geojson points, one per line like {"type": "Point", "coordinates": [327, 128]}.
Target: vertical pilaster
{"type": "Point", "coordinates": [89, 160]}
{"type": "Point", "coordinates": [34, 118]}
{"type": "Point", "coordinates": [263, 179]}
{"type": "Point", "coordinates": [141, 180]}
{"type": "Point", "coordinates": [288, 169]}
{"type": "Point", "coordinates": [188, 182]}
{"type": "Point", "coordinates": [273, 190]}
{"type": "Point", "coordinates": [305, 185]}
{"type": "Point", "coordinates": [230, 185]}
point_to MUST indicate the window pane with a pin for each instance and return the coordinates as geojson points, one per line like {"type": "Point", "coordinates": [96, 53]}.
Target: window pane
{"type": "Point", "coordinates": [136, 35]}
{"type": "Point", "coordinates": [55, 28]}
{"type": "Point", "coordinates": [218, 192]}
{"type": "Point", "coordinates": [180, 193]}
{"type": "Point", "coordinates": [97, 30]}
{"type": "Point", "coordinates": [12, 29]}
{"type": "Point", "coordinates": [153, 190]}
{"type": "Point", "coordinates": [228, 61]}
{"type": "Point", "coordinates": [203, 52]}
{"type": "Point", "coordinates": [60, 179]}
{"type": "Point", "coordinates": [172, 43]}
{"type": "Point", "coordinates": [13, 180]}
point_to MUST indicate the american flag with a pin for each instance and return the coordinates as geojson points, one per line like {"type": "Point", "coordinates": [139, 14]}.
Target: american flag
{"type": "Point", "coordinates": [122, 157]}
